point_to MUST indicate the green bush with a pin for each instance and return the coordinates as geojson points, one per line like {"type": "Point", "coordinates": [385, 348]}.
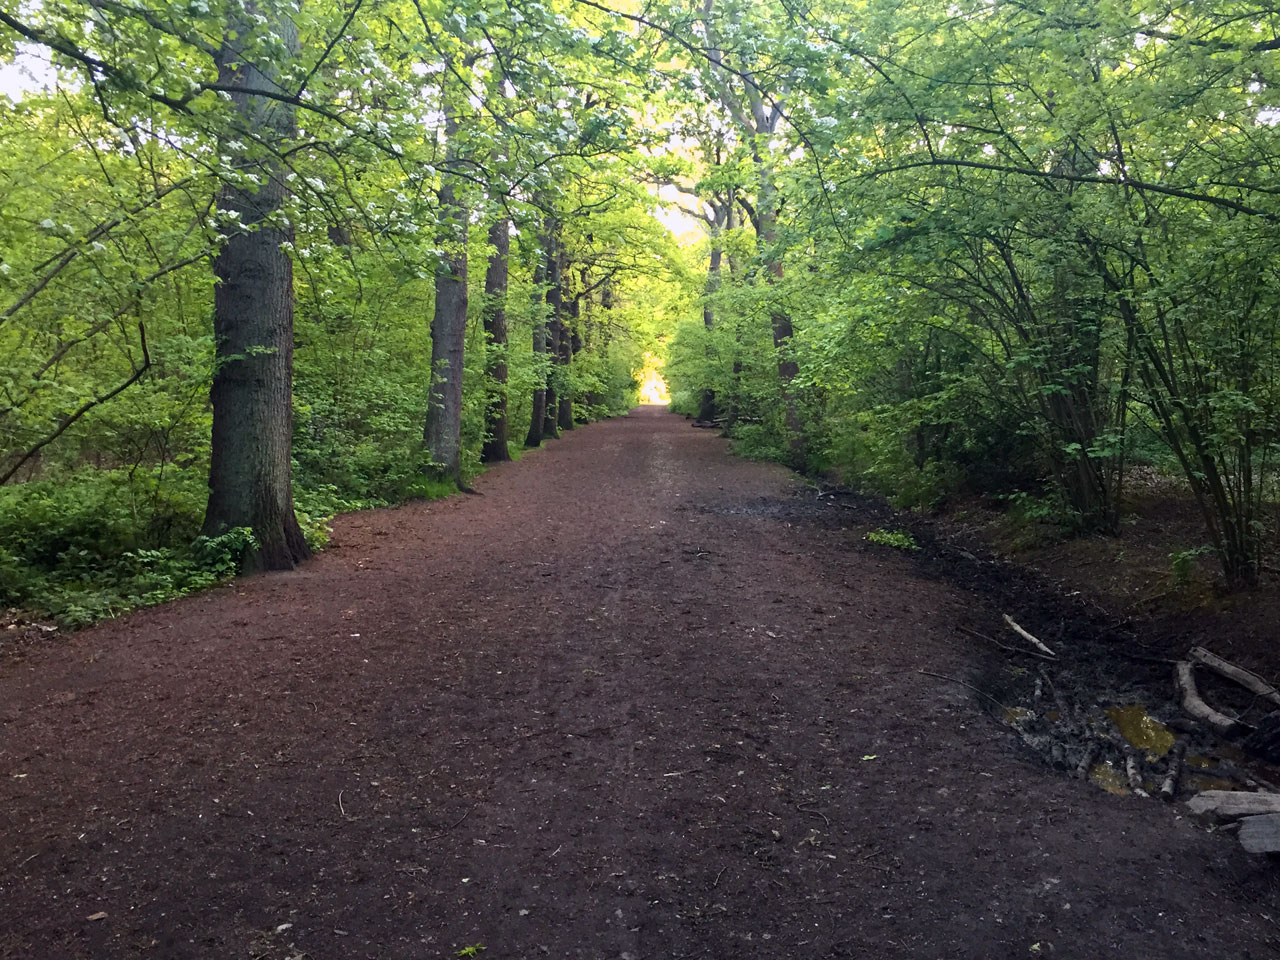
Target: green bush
{"type": "Point", "coordinates": [101, 542]}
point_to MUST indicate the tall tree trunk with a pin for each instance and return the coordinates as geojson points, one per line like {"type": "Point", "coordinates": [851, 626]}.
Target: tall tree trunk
{"type": "Point", "coordinates": [442, 433]}
{"type": "Point", "coordinates": [707, 406]}
{"type": "Point", "coordinates": [495, 328]}
{"type": "Point", "coordinates": [758, 121]}
{"type": "Point", "coordinates": [780, 323]}
{"type": "Point", "coordinates": [551, 420]}
{"type": "Point", "coordinates": [250, 482]}
{"type": "Point", "coordinates": [555, 327]}
{"type": "Point", "coordinates": [734, 401]}
{"type": "Point", "coordinates": [534, 437]}
{"type": "Point", "coordinates": [565, 355]}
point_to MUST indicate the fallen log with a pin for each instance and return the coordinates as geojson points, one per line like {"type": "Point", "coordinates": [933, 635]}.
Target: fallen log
{"type": "Point", "coordinates": [1133, 771]}
{"type": "Point", "coordinates": [1261, 834]}
{"type": "Point", "coordinates": [1058, 757]}
{"type": "Point", "coordinates": [1224, 806]}
{"type": "Point", "coordinates": [1088, 760]}
{"type": "Point", "coordinates": [1225, 668]}
{"type": "Point", "coordinates": [1169, 786]}
{"type": "Point", "coordinates": [1194, 705]}
{"type": "Point", "coordinates": [1030, 638]}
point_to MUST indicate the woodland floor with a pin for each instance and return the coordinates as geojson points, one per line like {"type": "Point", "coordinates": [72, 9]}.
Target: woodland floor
{"type": "Point", "coordinates": [639, 700]}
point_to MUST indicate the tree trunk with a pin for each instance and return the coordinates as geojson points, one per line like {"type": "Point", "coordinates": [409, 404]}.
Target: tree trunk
{"type": "Point", "coordinates": [707, 406]}
{"type": "Point", "coordinates": [495, 328]}
{"type": "Point", "coordinates": [565, 358]}
{"type": "Point", "coordinates": [250, 482]}
{"type": "Point", "coordinates": [442, 434]}
{"type": "Point", "coordinates": [780, 324]}
{"type": "Point", "coordinates": [534, 437]}
{"type": "Point", "coordinates": [551, 421]}
{"type": "Point", "coordinates": [555, 328]}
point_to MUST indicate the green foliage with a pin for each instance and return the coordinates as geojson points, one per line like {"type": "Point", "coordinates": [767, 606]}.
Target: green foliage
{"type": "Point", "coordinates": [1182, 562]}
{"type": "Point", "coordinates": [1020, 248]}
{"type": "Point", "coordinates": [968, 248]}
{"type": "Point", "coordinates": [112, 204]}
{"type": "Point", "coordinates": [898, 539]}
{"type": "Point", "coordinates": [99, 543]}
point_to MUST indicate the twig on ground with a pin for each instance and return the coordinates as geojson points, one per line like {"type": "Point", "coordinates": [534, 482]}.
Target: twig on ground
{"type": "Point", "coordinates": [963, 683]}
{"type": "Point", "coordinates": [1030, 638]}
{"type": "Point", "coordinates": [818, 813]}
{"type": "Point", "coordinates": [451, 826]}
{"type": "Point", "coordinates": [1004, 646]}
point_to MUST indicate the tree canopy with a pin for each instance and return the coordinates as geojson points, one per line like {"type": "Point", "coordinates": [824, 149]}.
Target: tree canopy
{"type": "Point", "coordinates": [988, 246]}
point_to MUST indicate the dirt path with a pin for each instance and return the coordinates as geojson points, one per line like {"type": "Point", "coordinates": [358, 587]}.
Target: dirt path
{"type": "Point", "coordinates": [624, 705]}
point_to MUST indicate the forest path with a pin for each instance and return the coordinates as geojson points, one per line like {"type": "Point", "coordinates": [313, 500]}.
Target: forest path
{"type": "Point", "coordinates": [624, 705]}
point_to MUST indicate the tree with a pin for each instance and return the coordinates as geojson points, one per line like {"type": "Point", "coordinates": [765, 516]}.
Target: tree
{"type": "Point", "coordinates": [495, 328]}
{"type": "Point", "coordinates": [249, 469]}
{"type": "Point", "coordinates": [443, 431]}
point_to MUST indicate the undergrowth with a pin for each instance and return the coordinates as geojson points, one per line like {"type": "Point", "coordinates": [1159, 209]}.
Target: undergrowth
{"type": "Point", "coordinates": [101, 542]}
{"type": "Point", "coordinates": [94, 544]}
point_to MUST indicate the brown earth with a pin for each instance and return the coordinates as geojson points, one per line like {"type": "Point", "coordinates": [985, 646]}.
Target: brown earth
{"type": "Point", "coordinates": [640, 700]}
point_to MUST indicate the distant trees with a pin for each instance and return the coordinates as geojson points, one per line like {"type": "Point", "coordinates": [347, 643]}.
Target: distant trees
{"type": "Point", "coordinates": [234, 222]}
{"type": "Point", "coordinates": [1024, 241]}
{"type": "Point", "coordinates": [989, 245]}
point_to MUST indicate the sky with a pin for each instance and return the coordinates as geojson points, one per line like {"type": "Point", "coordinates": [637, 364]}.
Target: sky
{"type": "Point", "coordinates": [682, 226]}
{"type": "Point", "coordinates": [29, 70]}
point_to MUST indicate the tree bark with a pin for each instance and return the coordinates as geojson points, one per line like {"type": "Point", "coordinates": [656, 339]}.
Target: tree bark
{"type": "Point", "coordinates": [707, 409]}
{"type": "Point", "coordinates": [551, 419]}
{"type": "Point", "coordinates": [565, 357]}
{"type": "Point", "coordinates": [250, 483]}
{"type": "Point", "coordinates": [534, 437]}
{"type": "Point", "coordinates": [442, 433]}
{"type": "Point", "coordinates": [782, 329]}
{"type": "Point", "coordinates": [555, 328]}
{"type": "Point", "coordinates": [495, 328]}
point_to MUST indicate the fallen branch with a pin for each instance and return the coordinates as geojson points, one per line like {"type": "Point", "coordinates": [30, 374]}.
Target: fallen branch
{"type": "Point", "coordinates": [1003, 646]}
{"type": "Point", "coordinates": [1246, 678]}
{"type": "Point", "coordinates": [1088, 760]}
{"type": "Point", "coordinates": [1030, 638]}
{"type": "Point", "coordinates": [963, 683]}
{"type": "Point", "coordinates": [1169, 786]}
{"type": "Point", "coordinates": [1224, 806]}
{"type": "Point", "coordinates": [1194, 705]}
{"type": "Point", "coordinates": [1066, 716]}
{"type": "Point", "coordinates": [1133, 771]}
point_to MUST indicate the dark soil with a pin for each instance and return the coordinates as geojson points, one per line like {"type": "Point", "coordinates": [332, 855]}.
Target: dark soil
{"type": "Point", "coordinates": [1132, 576]}
{"type": "Point", "coordinates": [640, 700]}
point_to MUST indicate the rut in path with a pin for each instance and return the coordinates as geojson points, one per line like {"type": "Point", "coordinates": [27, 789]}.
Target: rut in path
{"type": "Point", "coordinates": [627, 704]}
